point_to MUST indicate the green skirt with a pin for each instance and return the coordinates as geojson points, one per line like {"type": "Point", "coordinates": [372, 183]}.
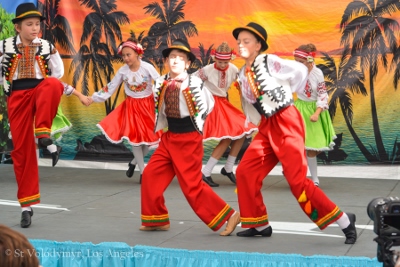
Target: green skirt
{"type": "Point", "coordinates": [60, 125]}
{"type": "Point", "coordinates": [319, 134]}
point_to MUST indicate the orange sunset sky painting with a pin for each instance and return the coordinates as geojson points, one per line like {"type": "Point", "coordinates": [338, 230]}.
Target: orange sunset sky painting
{"type": "Point", "coordinates": [289, 23]}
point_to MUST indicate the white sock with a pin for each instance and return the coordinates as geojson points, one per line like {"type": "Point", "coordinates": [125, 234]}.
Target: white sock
{"type": "Point", "coordinates": [26, 208]}
{"type": "Point", "coordinates": [230, 161]}
{"type": "Point", "coordinates": [343, 221]}
{"type": "Point", "coordinates": [260, 228]}
{"type": "Point", "coordinates": [138, 153]}
{"type": "Point", "coordinates": [52, 148]}
{"type": "Point", "coordinates": [312, 165]}
{"type": "Point", "coordinates": [145, 150]}
{"type": "Point", "coordinates": [207, 169]}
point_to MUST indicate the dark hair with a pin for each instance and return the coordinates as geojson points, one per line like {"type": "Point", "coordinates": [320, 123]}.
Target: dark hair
{"type": "Point", "coordinates": [12, 246]}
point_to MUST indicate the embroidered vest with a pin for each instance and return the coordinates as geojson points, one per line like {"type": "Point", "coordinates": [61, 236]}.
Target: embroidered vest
{"type": "Point", "coordinates": [272, 94]}
{"type": "Point", "coordinates": [12, 56]}
{"type": "Point", "coordinates": [194, 98]}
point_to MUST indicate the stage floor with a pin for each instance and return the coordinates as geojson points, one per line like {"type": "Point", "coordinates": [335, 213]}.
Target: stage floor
{"type": "Point", "coordinates": [98, 205]}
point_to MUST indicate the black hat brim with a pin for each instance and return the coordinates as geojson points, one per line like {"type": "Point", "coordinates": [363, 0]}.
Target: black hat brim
{"type": "Point", "coordinates": [16, 20]}
{"type": "Point", "coordinates": [166, 52]}
{"type": "Point", "coordinates": [264, 45]}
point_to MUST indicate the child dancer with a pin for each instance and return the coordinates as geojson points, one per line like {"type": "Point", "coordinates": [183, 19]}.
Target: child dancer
{"type": "Point", "coordinates": [182, 104]}
{"type": "Point", "coordinates": [133, 119]}
{"type": "Point", "coordinates": [31, 68]}
{"type": "Point", "coordinates": [312, 102]}
{"type": "Point", "coordinates": [226, 123]}
{"type": "Point", "coordinates": [267, 83]}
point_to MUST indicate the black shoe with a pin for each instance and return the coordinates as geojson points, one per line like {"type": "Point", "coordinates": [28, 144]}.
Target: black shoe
{"type": "Point", "coordinates": [26, 218]}
{"type": "Point", "coordinates": [56, 155]}
{"type": "Point", "coordinates": [208, 180]}
{"type": "Point", "coordinates": [351, 231]}
{"type": "Point", "coordinates": [44, 142]}
{"type": "Point", "coordinates": [230, 175]}
{"type": "Point", "coordinates": [267, 232]}
{"type": "Point", "coordinates": [130, 170]}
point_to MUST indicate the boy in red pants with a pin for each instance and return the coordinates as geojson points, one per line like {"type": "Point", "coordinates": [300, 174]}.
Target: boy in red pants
{"type": "Point", "coordinates": [266, 86]}
{"type": "Point", "coordinates": [31, 68]}
{"type": "Point", "coordinates": [182, 104]}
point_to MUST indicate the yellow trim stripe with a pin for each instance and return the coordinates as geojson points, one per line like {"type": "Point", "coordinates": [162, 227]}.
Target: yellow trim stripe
{"type": "Point", "coordinates": [25, 199]}
{"type": "Point", "coordinates": [258, 219]}
{"type": "Point", "coordinates": [253, 30]}
{"type": "Point", "coordinates": [184, 48]}
{"type": "Point", "coordinates": [29, 13]}
{"type": "Point", "coordinates": [219, 216]}
{"type": "Point", "coordinates": [155, 217]}
{"type": "Point", "coordinates": [42, 129]}
{"type": "Point", "coordinates": [328, 216]}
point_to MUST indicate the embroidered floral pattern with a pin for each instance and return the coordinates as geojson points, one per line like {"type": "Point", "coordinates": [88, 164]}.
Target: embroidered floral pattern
{"type": "Point", "coordinates": [104, 90]}
{"type": "Point", "coordinates": [158, 98]}
{"type": "Point", "coordinates": [12, 67]}
{"type": "Point", "coordinates": [254, 86]}
{"type": "Point", "coordinates": [137, 88]}
{"type": "Point", "coordinates": [191, 100]}
{"type": "Point", "coordinates": [308, 90]}
{"type": "Point", "coordinates": [277, 66]}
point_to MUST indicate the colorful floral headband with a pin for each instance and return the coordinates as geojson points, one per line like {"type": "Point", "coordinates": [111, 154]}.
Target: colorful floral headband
{"type": "Point", "coordinates": [223, 56]}
{"type": "Point", "coordinates": [136, 47]}
{"type": "Point", "coordinates": [303, 54]}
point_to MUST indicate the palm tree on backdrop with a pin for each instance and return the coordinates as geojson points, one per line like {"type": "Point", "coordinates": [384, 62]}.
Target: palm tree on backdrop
{"type": "Point", "coordinates": [91, 59]}
{"type": "Point", "coordinates": [342, 82]}
{"type": "Point", "coordinates": [204, 60]}
{"type": "Point", "coordinates": [396, 76]}
{"type": "Point", "coordinates": [98, 46]}
{"type": "Point", "coordinates": [372, 37]}
{"type": "Point", "coordinates": [171, 26]}
{"type": "Point", "coordinates": [205, 55]}
{"type": "Point", "coordinates": [56, 27]}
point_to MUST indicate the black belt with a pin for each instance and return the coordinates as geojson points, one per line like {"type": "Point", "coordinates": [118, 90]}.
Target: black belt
{"type": "Point", "coordinates": [25, 84]}
{"type": "Point", "coordinates": [180, 125]}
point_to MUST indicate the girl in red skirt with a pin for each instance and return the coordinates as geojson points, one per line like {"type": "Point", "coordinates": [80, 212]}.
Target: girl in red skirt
{"type": "Point", "coordinates": [226, 123]}
{"type": "Point", "coordinates": [133, 119]}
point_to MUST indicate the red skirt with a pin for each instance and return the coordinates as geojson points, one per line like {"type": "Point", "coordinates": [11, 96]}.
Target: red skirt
{"type": "Point", "coordinates": [132, 120]}
{"type": "Point", "coordinates": [226, 122]}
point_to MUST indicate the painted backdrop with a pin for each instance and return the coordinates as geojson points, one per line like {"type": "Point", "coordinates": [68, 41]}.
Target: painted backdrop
{"type": "Point", "coordinates": [358, 43]}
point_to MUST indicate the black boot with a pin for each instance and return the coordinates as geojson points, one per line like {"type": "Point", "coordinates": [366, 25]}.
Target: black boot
{"type": "Point", "coordinates": [44, 142]}
{"type": "Point", "coordinates": [55, 156]}
{"type": "Point", "coordinates": [230, 175]}
{"type": "Point", "coordinates": [26, 218]}
{"type": "Point", "coordinates": [267, 232]}
{"type": "Point", "coordinates": [130, 170]}
{"type": "Point", "coordinates": [208, 180]}
{"type": "Point", "coordinates": [351, 231]}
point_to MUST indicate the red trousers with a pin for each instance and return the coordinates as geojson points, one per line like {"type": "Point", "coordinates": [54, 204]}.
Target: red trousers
{"type": "Point", "coordinates": [180, 154]}
{"type": "Point", "coordinates": [38, 107]}
{"type": "Point", "coordinates": [280, 138]}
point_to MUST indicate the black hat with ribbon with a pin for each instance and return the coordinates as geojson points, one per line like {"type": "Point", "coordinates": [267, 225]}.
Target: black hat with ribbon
{"type": "Point", "coordinates": [259, 32]}
{"type": "Point", "coordinates": [180, 45]}
{"type": "Point", "coordinates": [27, 10]}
